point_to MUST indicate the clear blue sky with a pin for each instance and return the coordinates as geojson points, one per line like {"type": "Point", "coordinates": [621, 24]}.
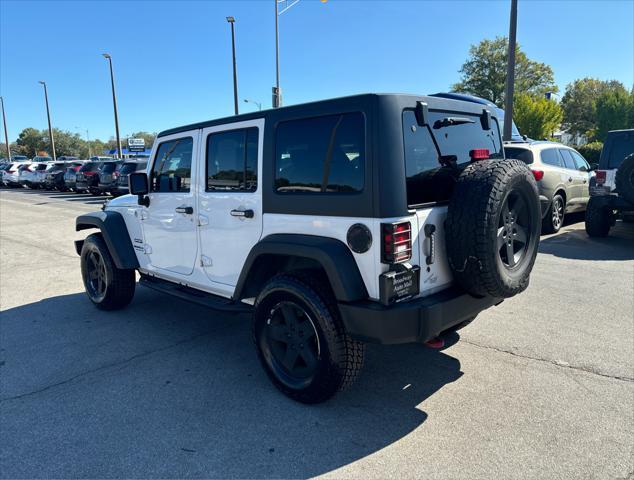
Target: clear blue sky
{"type": "Point", "coordinates": [173, 59]}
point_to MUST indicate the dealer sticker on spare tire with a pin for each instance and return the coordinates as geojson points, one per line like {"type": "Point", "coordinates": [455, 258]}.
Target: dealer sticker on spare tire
{"type": "Point", "coordinates": [396, 286]}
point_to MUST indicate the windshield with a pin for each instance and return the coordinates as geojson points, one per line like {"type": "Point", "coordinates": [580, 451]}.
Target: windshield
{"type": "Point", "coordinates": [620, 147]}
{"type": "Point", "coordinates": [514, 130]}
{"type": "Point", "coordinates": [522, 154]}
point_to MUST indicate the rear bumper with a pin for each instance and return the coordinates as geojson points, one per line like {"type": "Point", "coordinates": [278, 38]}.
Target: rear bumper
{"type": "Point", "coordinates": [414, 321]}
{"type": "Point", "coordinates": [613, 202]}
{"type": "Point", "coordinates": [544, 203]}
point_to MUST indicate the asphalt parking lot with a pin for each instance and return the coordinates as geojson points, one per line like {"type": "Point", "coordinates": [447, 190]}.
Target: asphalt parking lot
{"type": "Point", "coordinates": [541, 386]}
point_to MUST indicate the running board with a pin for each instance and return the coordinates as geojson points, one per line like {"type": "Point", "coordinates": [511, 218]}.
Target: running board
{"type": "Point", "coordinates": [189, 294]}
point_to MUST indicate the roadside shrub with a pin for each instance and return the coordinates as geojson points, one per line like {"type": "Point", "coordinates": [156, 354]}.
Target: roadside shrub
{"type": "Point", "coordinates": [591, 151]}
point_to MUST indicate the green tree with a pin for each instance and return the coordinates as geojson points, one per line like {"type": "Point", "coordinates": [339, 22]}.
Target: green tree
{"type": "Point", "coordinates": [484, 72]}
{"type": "Point", "coordinates": [31, 141]}
{"type": "Point", "coordinates": [613, 109]}
{"type": "Point", "coordinates": [579, 103]}
{"type": "Point", "coordinates": [536, 116]}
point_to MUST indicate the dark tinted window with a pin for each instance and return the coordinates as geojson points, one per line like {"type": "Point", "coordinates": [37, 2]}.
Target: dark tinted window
{"type": "Point", "coordinates": [465, 134]}
{"type": "Point", "coordinates": [550, 156]}
{"type": "Point", "coordinates": [620, 147]}
{"type": "Point", "coordinates": [172, 166]}
{"type": "Point", "coordinates": [127, 168]}
{"type": "Point", "coordinates": [232, 160]}
{"type": "Point", "coordinates": [322, 154]}
{"type": "Point", "coordinates": [108, 167]}
{"type": "Point", "coordinates": [89, 167]}
{"type": "Point", "coordinates": [569, 162]}
{"type": "Point", "coordinates": [523, 154]}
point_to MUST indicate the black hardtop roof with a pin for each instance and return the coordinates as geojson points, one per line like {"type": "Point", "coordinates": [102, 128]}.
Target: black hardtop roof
{"type": "Point", "coordinates": [432, 102]}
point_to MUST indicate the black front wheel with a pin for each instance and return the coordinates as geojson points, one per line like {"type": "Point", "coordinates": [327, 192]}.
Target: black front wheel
{"type": "Point", "coordinates": [108, 287]}
{"type": "Point", "coordinates": [301, 341]}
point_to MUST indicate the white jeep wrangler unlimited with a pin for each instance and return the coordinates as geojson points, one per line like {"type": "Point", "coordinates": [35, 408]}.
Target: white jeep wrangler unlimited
{"type": "Point", "coordinates": [370, 218]}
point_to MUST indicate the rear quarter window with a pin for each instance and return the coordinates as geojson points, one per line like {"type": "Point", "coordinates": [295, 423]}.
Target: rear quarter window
{"type": "Point", "coordinates": [550, 156]}
{"type": "Point", "coordinates": [522, 154]}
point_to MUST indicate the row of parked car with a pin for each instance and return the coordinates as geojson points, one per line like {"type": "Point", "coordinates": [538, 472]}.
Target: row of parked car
{"type": "Point", "coordinates": [97, 175]}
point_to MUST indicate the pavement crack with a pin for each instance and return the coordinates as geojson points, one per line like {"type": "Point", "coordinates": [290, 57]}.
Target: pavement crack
{"type": "Point", "coordinates": [103, 367]}
{"type": "Point", "coordinates": [552, 362]}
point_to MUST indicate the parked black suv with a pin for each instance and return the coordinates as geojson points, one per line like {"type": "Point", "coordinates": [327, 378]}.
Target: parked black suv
{"type": "Point", "coordinates": [122, 173]}
{"type": "Point", "coordinates": [612, 188]}
{"type": "Point", "coordinates": [87, 177]}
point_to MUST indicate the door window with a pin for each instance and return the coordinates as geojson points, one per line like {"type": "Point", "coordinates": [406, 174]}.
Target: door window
{"type": "Point", "coordinates": [172, 166]}
{"type": "Point", "coordinates": [569, 162]}
{"type": "Point", "coordinates": [232, 161]}
{"type": "Point", "coordinates": [580, 162]}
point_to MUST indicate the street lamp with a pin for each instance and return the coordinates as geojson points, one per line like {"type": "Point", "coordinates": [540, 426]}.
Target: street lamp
{"type": "Point", "coordinates": [246, 100]}
{"type": "Point", "coordinates": [510, 75]}
{"type": "Point", "coordinates": [114, 102]}
{"type": "Point", "coordinates": [232, 20]}
{"type": "Point", "coordinates": [6, 135]}
{"type": "Point", "coordinates": [48, 114]}
{"type": "Point", "coordinates": [87, 140]}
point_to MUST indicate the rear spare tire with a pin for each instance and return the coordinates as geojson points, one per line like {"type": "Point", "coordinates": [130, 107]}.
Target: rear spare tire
{"type": "Point", "coordinates": [492, 228]}
{"type": "Point", "coordinates": [624, 179]}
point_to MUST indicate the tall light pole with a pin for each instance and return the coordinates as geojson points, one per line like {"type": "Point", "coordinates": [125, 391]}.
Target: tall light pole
{"type": "Point", "coordinates": [114, 103]}
{"type": "Point", "coordinates": [6, 135]}
{"type": "Point", "coordinates": [510, 75]}
{"type": "Point", "coordinates": [87, 139]}
{"type": "Point", "coordinates": [48, 114]}
{"type": "Point", "coordinates": [277, 93]}
{"type": "Point", "coordinates": [232, 20]}
{"type": "Point", "coordinates": [246, 100]}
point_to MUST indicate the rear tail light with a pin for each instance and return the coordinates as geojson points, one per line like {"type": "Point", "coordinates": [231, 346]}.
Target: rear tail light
{"type": "Point", "coordinates": [538, 174]}
{"type": "Point", "coordinates": [601, 176]}
{"type": "Point", "coordinates": [397, 242]}
{"type": "Point", "coordinates": [115, 174]}
{"type": "Point", "coordinates": [479, 154]}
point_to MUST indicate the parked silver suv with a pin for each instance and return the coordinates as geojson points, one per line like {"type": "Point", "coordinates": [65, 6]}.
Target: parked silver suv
{"type": "Point", "coordinates": [562, 175]}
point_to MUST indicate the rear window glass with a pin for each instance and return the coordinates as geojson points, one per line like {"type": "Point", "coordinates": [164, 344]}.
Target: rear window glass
{"type": "Point", "coordinates": [89, 167]}
{"type": "Point", "coordinates": [522, 154]}
{"type": "Point", "coordinates": [620, 147]}
{"type": "Point", "coordinates": [321, 155]}
{"type": "Point", "coordinates": [108, 167]}
{"type": "Point", "coordinates": [427, 179]}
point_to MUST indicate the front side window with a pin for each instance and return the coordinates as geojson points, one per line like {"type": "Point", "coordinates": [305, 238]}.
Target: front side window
{"type": "Point", "coordinates": [321, 155]}
{"type": "Point", "coordinates": [580, 162]}
{"type": "Point", "coordinates": [550, 156]}
{"type": "Point", "coordinates": [172, 166]}
{"type": "Point", "coordinates": [232, 160]}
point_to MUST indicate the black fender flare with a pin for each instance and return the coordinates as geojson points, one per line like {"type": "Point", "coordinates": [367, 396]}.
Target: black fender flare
{"type": "Point", "coordinates": [332, 254]}
{"type": "Point", "coordinates": [115, 233]}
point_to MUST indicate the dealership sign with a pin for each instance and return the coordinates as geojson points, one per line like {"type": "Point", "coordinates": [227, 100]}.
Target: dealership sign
{"type": "Point", "coordinates": [136, 145]}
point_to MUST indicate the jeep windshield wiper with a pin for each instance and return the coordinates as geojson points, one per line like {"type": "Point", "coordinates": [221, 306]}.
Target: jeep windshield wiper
{"type": "Point", "coordinates": [451, 121]}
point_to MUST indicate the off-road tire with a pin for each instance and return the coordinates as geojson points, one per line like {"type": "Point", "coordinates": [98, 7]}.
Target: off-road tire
{"type": "Point", "coordinates": [549, 225]}
{"type": "Point", "coordinates": [598, 219]}
{"type": "Point", "coordinates": [624, 179]}
{"type": "Point", "coordinates": [119, 283]}
{"type": "Point", "coordinates": [472, 228]}
{"type": "Point", "coordinates": [339, 359]}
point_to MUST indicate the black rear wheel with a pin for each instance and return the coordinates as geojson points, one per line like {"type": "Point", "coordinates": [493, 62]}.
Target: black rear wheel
{"type": "Point", "coordinates": [554, 219]}
{"type": "Point", "coordinates": [301, 341]}
{"type": "Point", "coordinates": [598, 218]}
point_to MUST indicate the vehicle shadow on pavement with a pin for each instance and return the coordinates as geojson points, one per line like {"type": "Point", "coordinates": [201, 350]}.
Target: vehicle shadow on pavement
{"type": "Point", "coordinates": [168, 389]}
{"type": "Point", "coordinates": [577, 245]}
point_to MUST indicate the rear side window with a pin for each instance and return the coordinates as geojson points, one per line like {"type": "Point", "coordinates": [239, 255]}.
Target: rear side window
{"type": "Point", "coordinates": [232, 160]}
{"type": "Point", "coordinates": [620, 147]}
{"type": "Point", "coordinates": [321, 155]}
{"type": "Point", "coordinates": [550, 156]}
{"type": "Point", "coordinates": [522, 154]}
{"type": "Point", "coordinates": [172, 166]}
{"type": "Point", "coordinates": [569, 162]}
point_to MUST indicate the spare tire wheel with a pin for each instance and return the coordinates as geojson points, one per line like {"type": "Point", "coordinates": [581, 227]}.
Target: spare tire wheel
{"type": "Point", "coordinates": [624, 179]}
{"type": "Point", "coordinates": [492, 228]}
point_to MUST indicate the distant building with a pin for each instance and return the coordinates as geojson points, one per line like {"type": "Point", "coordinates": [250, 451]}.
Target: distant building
{"type": "Point", "coordinates": [566, 138]}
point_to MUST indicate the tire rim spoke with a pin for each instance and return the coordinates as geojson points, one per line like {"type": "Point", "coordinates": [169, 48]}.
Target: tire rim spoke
{"type": "Point", "coordinates": [510, 255]}
{"type": "Point", "coordinates": [278, 333]}
{"type": "Point", "coordinates": [309, 357]}
{"type": "Point", "coordinates": [290, 358]}
{"type": "Point", "coordinates": [520, 234]}
{"type": "Point", "coordinates": [501, 239]}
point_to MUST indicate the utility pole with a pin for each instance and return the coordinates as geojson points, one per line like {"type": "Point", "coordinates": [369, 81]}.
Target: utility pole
{"type": "Point", "coordinates": [88, 141]}
{"type": "Point", "coordinates": [510, 74]}
{"type": "Point", "coordinates": [277, 93]}
{"type": "Point", "coordinates": [114, 103]}
{"type": "Point", "coordinates": [232, 20]}
{"type": "Point", "coordinates": [6, 135]}
{"type": "Point", "coordinates": [48, 114]}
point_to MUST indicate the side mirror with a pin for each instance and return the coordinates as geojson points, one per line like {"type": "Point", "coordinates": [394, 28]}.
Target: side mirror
{"type": "Point", "coordinates": [138, 185]}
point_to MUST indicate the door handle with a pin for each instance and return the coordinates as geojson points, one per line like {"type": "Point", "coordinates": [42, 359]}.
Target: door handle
{"type": "Point", "coordinates": [570, 179]}
{"type": "Point", "coordinates": [242, 213]}
{"type": "Point", "coordinates": [185, 209]}
{"type": "Point", "coordinates": [585, 180]}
